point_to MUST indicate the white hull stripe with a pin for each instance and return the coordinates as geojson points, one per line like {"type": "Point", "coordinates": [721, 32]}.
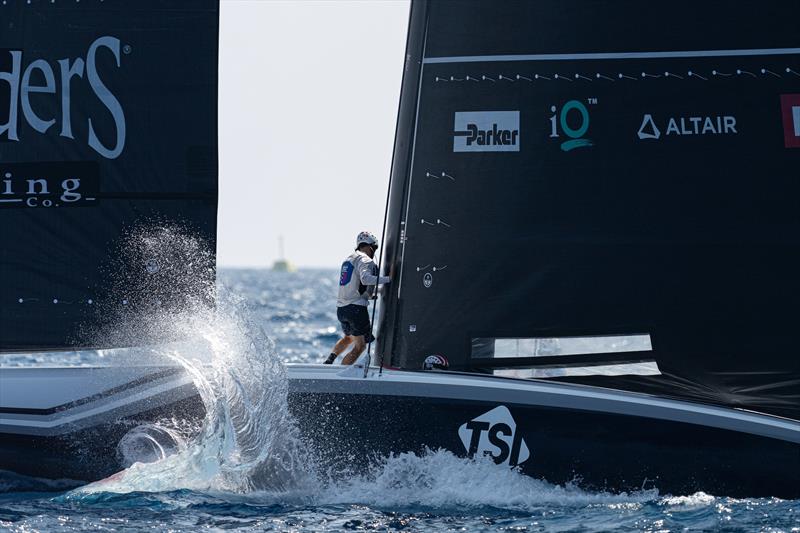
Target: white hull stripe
{"type": "Point", "coordinates": [462, 388]}
{"type": "Point", "coordinates": [146, 380]}
{"type": "Point", "coordinates": [496, 390]}
{"type": "Point", "coordinates": [613, 55]}
{"type": "Point", "coordinates": [145, 397]}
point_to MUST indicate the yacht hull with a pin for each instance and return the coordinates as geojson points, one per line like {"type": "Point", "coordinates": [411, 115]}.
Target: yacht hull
{"type": "Point", "coordinates": [597, 438]}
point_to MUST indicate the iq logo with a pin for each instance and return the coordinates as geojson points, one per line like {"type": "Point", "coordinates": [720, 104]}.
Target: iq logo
{"type": "Point", "coordinates": [573, 122]}
{"type": "Point", "coordinates": [790, 109]}
{"type": "Point", "coordinates": [494, 433]}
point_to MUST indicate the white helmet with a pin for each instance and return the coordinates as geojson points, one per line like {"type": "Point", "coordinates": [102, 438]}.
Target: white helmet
{"type": "Point", "coordinates": [366, 237]}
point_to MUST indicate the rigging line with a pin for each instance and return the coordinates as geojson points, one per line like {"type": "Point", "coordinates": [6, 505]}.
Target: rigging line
{"type": "Point", "coordinates": [377, 284]}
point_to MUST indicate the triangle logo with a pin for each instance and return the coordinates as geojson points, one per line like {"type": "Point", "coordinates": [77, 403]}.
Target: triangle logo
{"type": "Point", "coordinates": [648, 129]}
{"type": "Point", "coordinates": [495, 433]}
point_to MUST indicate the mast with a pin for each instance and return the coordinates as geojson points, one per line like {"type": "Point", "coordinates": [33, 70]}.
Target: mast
{"type": "Point", "coordinates": [388, 319]}
{"type": "Point", "coordinates": [620, 197]}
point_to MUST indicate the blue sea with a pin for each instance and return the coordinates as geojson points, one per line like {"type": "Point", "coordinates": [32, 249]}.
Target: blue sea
{"type": "Point", "coordinates": [436, 491]}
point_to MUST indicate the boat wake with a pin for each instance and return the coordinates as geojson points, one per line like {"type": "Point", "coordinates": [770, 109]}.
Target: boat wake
{"type": "Point", "coordinates": [439, 479]}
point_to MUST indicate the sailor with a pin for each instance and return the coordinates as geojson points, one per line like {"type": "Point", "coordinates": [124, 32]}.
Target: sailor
{"type": "Point", "coordinates": [357, 283]}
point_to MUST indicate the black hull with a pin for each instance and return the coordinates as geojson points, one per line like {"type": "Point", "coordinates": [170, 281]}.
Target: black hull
{"type": "Point", "coordinates": [598, 446]}
{"type": "Point", "coordinates": [596, 451]}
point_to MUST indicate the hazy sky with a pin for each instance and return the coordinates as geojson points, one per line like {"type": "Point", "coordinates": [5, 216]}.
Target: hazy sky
{"type": "Point", "coordinates": [308, 97]}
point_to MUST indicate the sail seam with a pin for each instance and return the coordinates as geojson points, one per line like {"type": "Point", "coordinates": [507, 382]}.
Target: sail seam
{"type": "Point", "coordinates": [612, 55]}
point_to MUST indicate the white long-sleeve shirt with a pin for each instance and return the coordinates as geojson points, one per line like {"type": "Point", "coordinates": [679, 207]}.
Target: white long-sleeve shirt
{"type": "Point", "coordinates": [358, 273]}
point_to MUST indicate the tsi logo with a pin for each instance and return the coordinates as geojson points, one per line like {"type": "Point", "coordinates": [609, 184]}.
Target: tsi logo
{"type": "Point", "coordinates": [495, 433]}
{"type": "Point", "coordinates": [486, 131]}
{"type": "Point", "coordinates": [572, 121]}
{"type": "Point", "coordinates": [790, 109]}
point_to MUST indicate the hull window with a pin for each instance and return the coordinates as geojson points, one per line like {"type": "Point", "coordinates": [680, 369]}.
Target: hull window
{"type": "Point", "coordinates": [629, 369]}
{"type": "Point", "coordinates": [558, 346]}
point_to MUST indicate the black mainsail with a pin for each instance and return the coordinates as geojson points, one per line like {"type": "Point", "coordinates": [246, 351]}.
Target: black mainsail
{"type": "Point", "coordinates": [601, 170]}
{"type": "Point", "coordinates": [108, 119]}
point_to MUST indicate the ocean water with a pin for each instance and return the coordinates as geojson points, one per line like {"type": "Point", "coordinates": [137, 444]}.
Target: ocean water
{"type": "Point", "coordinates": [247, 470]}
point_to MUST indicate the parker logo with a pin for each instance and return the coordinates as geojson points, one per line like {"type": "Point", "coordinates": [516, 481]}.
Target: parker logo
{"type": "Point", "coordinates": [682, 126]}
{"type": "Point", "coordinates": [495, 433]}
{"type": "Point", "coordinates": [486, 131]}
{"type": "Point", "coordinates": [19, 82]}
{"type": "Point", "coordinates": [790, 109]}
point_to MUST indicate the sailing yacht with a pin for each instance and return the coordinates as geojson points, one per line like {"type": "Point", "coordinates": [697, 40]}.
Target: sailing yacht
{"type": "Point", "coordinates": [592, 223]}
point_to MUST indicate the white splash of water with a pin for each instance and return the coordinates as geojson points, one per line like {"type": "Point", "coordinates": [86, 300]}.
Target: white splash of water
{"type": "Point", "coordinates": [698, 499]}
{"type": "Point", "coordinates": [248, 440]}
{"type": "Point", "coordinates": [439, 479]}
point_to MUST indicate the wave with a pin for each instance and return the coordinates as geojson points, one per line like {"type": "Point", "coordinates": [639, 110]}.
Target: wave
{"type": "Point", "coordinates": [13, 482]}
{"type": "Point", "coordinates": [439, 479]}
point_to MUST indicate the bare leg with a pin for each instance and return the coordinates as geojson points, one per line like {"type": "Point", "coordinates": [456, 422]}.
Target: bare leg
{"type": "Point", "coordinates": [340, 346]}
{"type": "Point", "coordinates": [359, 346]}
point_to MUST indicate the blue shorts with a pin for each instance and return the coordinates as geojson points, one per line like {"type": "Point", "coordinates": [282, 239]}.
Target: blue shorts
{"type": "Point", "coordinates": [355, 321]}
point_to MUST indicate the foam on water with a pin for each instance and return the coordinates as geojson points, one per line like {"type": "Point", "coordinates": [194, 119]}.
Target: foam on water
{"type": "Point", "coordinates": [439, 479]}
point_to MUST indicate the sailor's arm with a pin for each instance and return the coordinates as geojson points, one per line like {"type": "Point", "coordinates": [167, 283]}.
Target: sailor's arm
{"type": "Point", "coordinates": [365, 273]}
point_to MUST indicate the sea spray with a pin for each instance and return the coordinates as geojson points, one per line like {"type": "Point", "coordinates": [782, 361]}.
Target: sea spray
{"type": "Point", "coordinates": [438, 479]}
{"type": "Point", "coordinates": [162, 292]}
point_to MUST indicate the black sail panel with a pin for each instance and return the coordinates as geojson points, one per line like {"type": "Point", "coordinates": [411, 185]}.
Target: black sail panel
{"type": "Point", "coordinates": [108, 119]}
{"type": "Point", "coordinates": [601, 169]}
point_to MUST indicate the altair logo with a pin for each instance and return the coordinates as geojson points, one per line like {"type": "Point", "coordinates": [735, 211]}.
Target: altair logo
{"type": "Point", "coordinates": [683, 126]}
{"type": "Point", "coordinates": [17, 84]}
{"type": "Point", "coordinates": [790, 109]}
{"type": "Point", "coordinates": [495, 433]}
{"type": "Point", "coordinates": [486, 131]}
